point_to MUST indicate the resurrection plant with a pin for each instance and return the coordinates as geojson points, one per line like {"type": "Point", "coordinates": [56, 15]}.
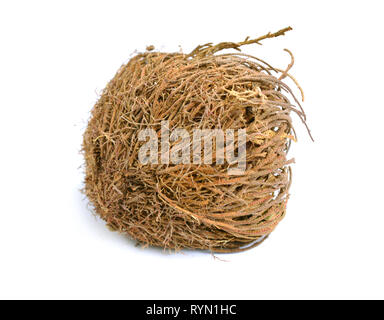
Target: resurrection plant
{"type": "Point", "coordinates": [197, 206]}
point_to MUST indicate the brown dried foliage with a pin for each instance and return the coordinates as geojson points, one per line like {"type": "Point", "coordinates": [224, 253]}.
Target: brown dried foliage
{"type": "Point", "coordinates": [192, 206]}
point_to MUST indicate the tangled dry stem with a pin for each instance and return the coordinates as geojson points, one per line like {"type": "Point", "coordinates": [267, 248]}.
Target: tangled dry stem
{"type": "Point", "coordinates": [192, 206]}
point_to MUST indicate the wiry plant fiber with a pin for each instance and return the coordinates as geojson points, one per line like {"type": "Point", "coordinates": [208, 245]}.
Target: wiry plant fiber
{"type": "Point", "coordinates": [192, 206]}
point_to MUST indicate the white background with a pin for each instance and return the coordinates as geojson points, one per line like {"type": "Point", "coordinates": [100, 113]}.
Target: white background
{"type": "Point", "coordinates": [56, 57]}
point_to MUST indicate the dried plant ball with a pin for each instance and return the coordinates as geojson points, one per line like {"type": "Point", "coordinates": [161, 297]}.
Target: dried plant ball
{"type": "Point", "coordinates": [190, 204]}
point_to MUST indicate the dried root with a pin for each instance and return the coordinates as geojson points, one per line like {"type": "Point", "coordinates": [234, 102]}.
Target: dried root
{"type": "Point", "coordinates": [179, 206]}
